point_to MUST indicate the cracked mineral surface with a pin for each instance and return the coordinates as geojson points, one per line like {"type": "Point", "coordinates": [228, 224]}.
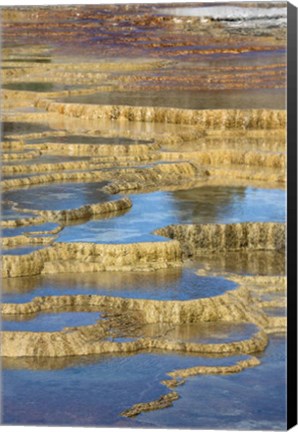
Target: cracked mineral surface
{"type": "Point", "coordinates": [143, 215]}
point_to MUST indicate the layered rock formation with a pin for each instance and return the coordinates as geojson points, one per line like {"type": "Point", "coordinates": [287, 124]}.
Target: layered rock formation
{"type": "Point", "coordinates": [209, 119]}
{"type": "Point", "coordinates": [49, 114]}
{"type": "Point", "coordinates": [199, 238]}
{"type": "Point", "coordinates": [88, 257]}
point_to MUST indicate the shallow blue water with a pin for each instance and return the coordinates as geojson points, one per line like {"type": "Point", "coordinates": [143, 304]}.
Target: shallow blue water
{"type": "Point", "coordinates": [9, 232]}
{"type": "Point", "coordinates": [93, 391]}
{"type": "Point", "coordinates": [202, 332]}
{"type": "Point", "coordinates": [250, 400]}
{"type": "Point", "coordinates": [8, 213]}
{"type": "Point", "coordinates": [22, 250]}
{"type": "Point", "coordinates": [206, 204]}
{"type": "Point", "coordinates": [59, 196]}
{"type": "Point", "coordinates": [50, 321]}
{"type": "Point", "coordinates": [278, 311]}
{"type": "Point", "coordinates": [212, 332]}
{"type": "Point", "coordinates": [176, 284]}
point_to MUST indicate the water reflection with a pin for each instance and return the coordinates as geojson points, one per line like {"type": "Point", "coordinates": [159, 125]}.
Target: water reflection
{"type": "Point", "coordinates": [10, 127]}
{"type": "Point", "coordinates": [40, 86]}
{"type": "Point", "coordinates": [187, 99]}
{"type": "Point", "coordinates": [203, 332]}
{"type": "Point", "coordinates": [21, 250]}
{"type": "Point", "coordinates": [27, 60]}
{"type": "Point", "coordinates": [206, 204]}
{"type": "Point", "coordinates": [217, 204]}
{"type": "Point", "coordinates": [49, 322]}
{"type": "Point", "coordinates": [169, 284]}
{"type": "Point", "coordinates": [252, 263]}
{"type": "Point", "coordinates": [109, 384]}
{"type": "Point", "coordinates": [86, 139]}
{"type": "Point", "coordinates": [250, 400]}
{"type": "Point", "coordinates": [10, 232]}
{"type": "Point", "coordinates": [59, 196]}
{"type": "Point", "coordinates": [7, 212]}
{"type": "Point", "coordinates": [52, 364]}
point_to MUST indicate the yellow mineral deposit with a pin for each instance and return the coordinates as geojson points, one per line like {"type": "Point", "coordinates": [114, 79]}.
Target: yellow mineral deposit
{"type": "Point", "coordinates": [88, 257]}
{"type": "Point", "coordinates": [224, 237]}
{"type": "Point", "coordinates": [164, 401]}
{"type": "Point", "coordinates": [173, 149]}
{"type": "Point", "coordinates": [209, 119]}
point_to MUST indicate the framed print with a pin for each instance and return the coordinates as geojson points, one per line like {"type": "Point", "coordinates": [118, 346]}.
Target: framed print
{"type": "Point", "coordinates": [149, 215]}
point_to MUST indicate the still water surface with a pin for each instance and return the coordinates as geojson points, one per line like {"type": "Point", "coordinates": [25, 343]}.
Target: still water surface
{"type": "Point", "coordinates": [49, 322]}
{"type": "Point", "coordinates": [93, 391]}
{"type": "Point", "coordinates": [187, 99]}
{"type": "Point", "coordinates": [169, 284]}
{"type": "Point", "coordinates": [206, 204]}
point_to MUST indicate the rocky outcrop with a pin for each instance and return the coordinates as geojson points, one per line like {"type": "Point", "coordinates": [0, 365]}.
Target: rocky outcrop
{"type": "Point", "coordinates": [19, 182]}
{"type": "Point", "coordinates": [100, 149]}
{"type": "Point", "coordinates": [164, 401]}
{"type": "Point", "coordinates": [227, 237]}
{"type": "Point", "coordinates": [89, 341]}
{"type": "Point", "coordinates": [277, 324]}
{"type": "Point", "coordinates": [181, 149]}
{"type": "Point", "coordinates": [42, 167]}
{"type": "Point", "coordinates": [209, 119]}
{"type": "Point", "coordinates": [169, 139]}
{"type": "Point", "coordinates": [262, 284]}
{"type": "Point", "coordinates": [91, 257]}
{"type": "Point", "coordinates": [232, 306]}
{"type": "Point", "coordinates": [94, 163]}
{"type": "Point", "coordinates": [160, 175]}
{"type": "Point", "coordinates": [84, 212]}
{"type": "Point", "coordinates": [14, 223]}
{"type": "Point", "coordinates": [21, 155]}
{"type": "Point", "coordinates": [22, 240]}
{"type": "Point", "coordinates": [12, 145]}
{"type": "Point", "coordinates": [82, 341]}
{"type": "Point", "coordinates": [237, 140]}
{"type": "Point", "coordinates": [248, 173]}
{"type": "Point", "coordinates": [229, 157]}
{"type": "Point", "coordinates": [215, 370]}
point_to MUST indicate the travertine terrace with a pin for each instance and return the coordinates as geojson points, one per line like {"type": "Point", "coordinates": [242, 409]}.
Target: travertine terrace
{"type": "Point", "coordinates": [138, 109]}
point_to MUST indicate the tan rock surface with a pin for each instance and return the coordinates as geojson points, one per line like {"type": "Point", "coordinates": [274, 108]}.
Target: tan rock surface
{"type": "Point", "coordinates": [86, 257]}
{"type": "Point", "coordinates": [210, 119]}
{"type": "Point", "coordinates": [225, 237]}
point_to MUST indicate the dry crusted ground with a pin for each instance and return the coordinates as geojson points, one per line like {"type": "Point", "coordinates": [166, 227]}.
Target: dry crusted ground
{"type": "Point", "coordinates": [219, 147]}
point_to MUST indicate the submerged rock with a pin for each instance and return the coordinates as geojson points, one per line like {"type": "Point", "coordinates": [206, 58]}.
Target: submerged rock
{"type": "Point", "coordinates": [164, 401]}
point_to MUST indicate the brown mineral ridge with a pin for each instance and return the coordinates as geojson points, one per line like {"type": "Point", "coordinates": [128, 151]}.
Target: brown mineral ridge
{"type": "Point", "coordinates": [233, 306]}
{"type": "Point", "coordinates": [210, 119]}
{"type": "Point", "coordinates": [105, 33]}
{"type": "Point", "coordinates": [89, 257]}
{"type": "Point", "coordinates": [227, 237]}
{"type": "Point", "coordinates": [166, 400]}
{"type": "Point", "coordinates": [83, 212]}
{"type": "Point", "coordinates": [163, 173]}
